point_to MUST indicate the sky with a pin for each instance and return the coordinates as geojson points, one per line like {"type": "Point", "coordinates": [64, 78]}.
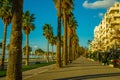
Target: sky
{"type": "Point", "coordinates": [88, 14]}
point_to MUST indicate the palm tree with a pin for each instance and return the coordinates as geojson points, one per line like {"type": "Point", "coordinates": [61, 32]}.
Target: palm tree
{"type": "Point", "coordinates": [48, 33]}
{"type": "Point", "coordinates": [6, 15]}
{"type": "Point", "coordinates": [8, 47]}
{"type": "Point", "coordinates": [14, 67]}
{"type": "Point", "coordinates": [39, 52]}
{"type": "Point", "coordinates": [74, 43]}
{"type": "Point", "coordinates": [29, 49]}
{"type": "Point", "coordinates": [28, 26]}
{"type": "Point", "coordinates": [53, 41]}
{"type": "Point", "coordinates": [89, 42]}
{"type": "Point", "coordinates": [58, 50]}
{"type": "Point", "coordinates": [71, 30]}
{"type": "Point", "coordinates": [62, 48]}
{"type": "Point", "coordinates": [67, 6]}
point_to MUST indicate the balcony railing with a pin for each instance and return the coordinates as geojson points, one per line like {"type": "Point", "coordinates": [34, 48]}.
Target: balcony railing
{"type": "Point", "coordinates": [113, 9]}
{"type": "Point", "coordinates": [117, 22]}
{"type": "Point", "coordinates": [117, 15]}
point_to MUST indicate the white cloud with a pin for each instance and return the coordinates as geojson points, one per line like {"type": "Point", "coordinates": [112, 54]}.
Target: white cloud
{"type": "Point", "coordinates": [94, 16]}
{"type": "Point", "coordinates": [35, 46]}
{"type": "Point", "coordinates": [100, 14]}
{"type": "Point", "coordinates": [98, 4]}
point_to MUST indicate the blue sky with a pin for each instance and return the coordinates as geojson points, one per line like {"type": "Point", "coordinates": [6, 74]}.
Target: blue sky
{"type": "Point", "coordinates": [88, 14]}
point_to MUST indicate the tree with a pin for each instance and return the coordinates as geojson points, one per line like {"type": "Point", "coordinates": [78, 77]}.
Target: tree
{"type": "Point", "coordinates": [89, 42]}
{"type": "Point", "coordinates": [28, 26]}
{"type": "Point", "coordinates": [81, 50]}
{"type": "Point", "coordinates": [48, 33]}
{"type": "Point", "coordinates": [67, 6]}
{"type": "Point", "coordinates": [75, 41]}
{"type": "Point", "coordinates": [53, 41]}
{"type": "Point", "coordinates": [8, 47]}
{"type": "Point", "coordinates": [6, 15]}
{"type": "Point", "coordinates": [29, 49]}
{"type": "Point", "coordinates": [71, 30]}
{"type": "Point", "coordinates": [39, 52]}
{"type": "Point", "coordinates": [62, 49]}
{"type": "Point", "coordinates": [58, 50]}
{"type": "Point", "coordinates": [14, 68]}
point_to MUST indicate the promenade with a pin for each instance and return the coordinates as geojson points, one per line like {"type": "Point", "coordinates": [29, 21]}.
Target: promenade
{"type": "Point", "coordinates": [80, 69]}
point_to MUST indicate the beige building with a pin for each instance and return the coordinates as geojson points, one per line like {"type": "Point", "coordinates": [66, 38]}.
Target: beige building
{"type": "Point", "coordinates": [107, 33]}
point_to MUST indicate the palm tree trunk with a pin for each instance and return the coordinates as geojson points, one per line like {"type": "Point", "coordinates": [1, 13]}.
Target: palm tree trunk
{"type": "Point", "coordinates": [69, 49]}
{"type": "Point", "coordinates": [69, 46]}
{"type": "Point", "coordinates": [58, 51]}
{"type": "Point", "coordinates": [77, 50]}
{"type": "Point", "coordinates": [27, 50]}
{"type": "Point", "coordinates": [14, 68]}
{"type": "Point", "coordinates": [47, 55]}
{"type": "Point", "coordinates": [73, 52]}
{"type": "Point", "coordinates": [3, 47]}
{"type": "Point", "coordinates": [52, 53]}
{"type": "Point", "coordinates": [62, 54]}
{"type": "Point", "coordinates": [65, 40]}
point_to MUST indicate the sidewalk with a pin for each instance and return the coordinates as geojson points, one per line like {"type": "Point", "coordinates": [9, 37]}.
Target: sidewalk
{"type": "Point", "coordinates": [34, 72]}
{"type": "Point", "coordinates": [80, 69]}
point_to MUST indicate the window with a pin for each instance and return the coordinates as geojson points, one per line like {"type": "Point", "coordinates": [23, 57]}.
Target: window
{"type": "Point", "coordinates": [117, 5]}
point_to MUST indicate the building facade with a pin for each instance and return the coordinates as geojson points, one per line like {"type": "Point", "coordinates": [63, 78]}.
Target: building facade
{"type": "Point", "coordinates": [107, 33]}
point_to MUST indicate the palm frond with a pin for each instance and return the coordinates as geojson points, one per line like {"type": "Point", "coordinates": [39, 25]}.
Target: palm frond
{"type": "Point", "coordinates": [27, 22]}
{"type": "Point", "coordinates": [47, 31]}
{"type": "Point", "coordinates": [6, 11]}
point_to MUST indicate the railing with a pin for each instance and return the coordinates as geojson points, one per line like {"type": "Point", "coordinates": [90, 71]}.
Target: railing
{"type": "Point", "coordinates": [112, 9]}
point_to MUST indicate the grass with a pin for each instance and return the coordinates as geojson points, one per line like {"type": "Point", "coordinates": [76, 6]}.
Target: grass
{"type": "Point", "coordinates": [2, 73]}
{"type": "Point", "coordinates": [33, 66]}
{"type": "Point", "coordinates": [25, 68]}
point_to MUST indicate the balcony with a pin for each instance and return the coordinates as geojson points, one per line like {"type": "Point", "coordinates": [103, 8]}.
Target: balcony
{"type": "Point", "coordinates": [107, 29]}
{"type": "Point", "coordinates": [115, 22]}
{"type": "Point", "coordinates": [113, 9]}
{"type": "Point", "coordinates": [114, 37]}
{"type": "Point", "coordinates": [117, 15]}
{"type": "Point", "coordinates": [117, 29]}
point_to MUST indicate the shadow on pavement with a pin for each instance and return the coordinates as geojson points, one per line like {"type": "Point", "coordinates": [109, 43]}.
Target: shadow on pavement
{"type": "Point", "coordinates": [90, 76]}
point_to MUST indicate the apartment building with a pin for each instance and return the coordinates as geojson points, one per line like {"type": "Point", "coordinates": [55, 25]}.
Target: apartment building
{"type": "Point", "coordinates": [107, 33]}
